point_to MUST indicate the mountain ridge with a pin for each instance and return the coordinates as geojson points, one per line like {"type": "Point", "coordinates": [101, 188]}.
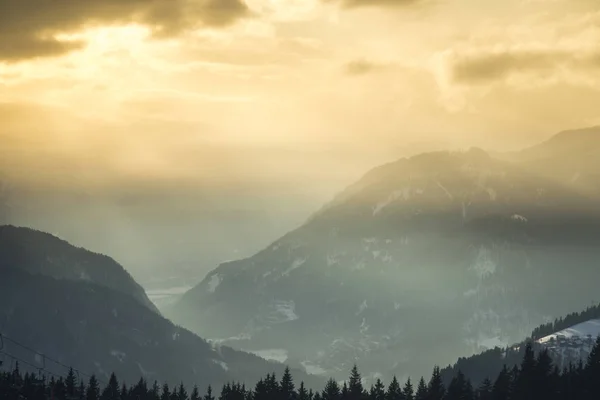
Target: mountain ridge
{"type": "Point", "coordinates": [377, 255]}
{"type": "Point", "coordinates": [52, 256]}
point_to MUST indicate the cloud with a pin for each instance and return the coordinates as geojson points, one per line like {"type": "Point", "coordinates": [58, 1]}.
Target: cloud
{"type": "Point", "coordinates": [490, 66]}
{"type": "Point", "coordinates": [378, 3]}
{"type": "Point", "coordinates": [359, 67]}
{"type": "Point", "coordinates": [29, 28]}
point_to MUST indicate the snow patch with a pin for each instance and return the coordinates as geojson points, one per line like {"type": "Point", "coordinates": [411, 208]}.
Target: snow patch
{"type": "Point", "coordinates": [360, 265]}
{"type": "Point", "coordinates": [175, 336]}
{"type": "Point", "coordinates": [484, 265]}
{"type": "Point", "coordinates": [298, 262]}
{"type": "Point", "coordinates": [519, 218]}
{"type": "Point", "coordinates": [582, 330]}
{"type": "Point", "coordinates": [332, 260]}
{"type": "Point", "coordinates": [403, 193]}
{"type": "Point", "coordinates": [278, 355]}
{"type": "Point", "coordinates": [363, 306]}
{"type": "Point", "coordinates": [84, 276]}
{"type": "Point", "coordinates": [450, 196]}
{"type": "Point", "coordinates": [397, 306]}
{"type": "Point", "coordinates": [287, 309]}
{"type": "Point", "coordinates": [119, 355]}
{"type": "Point", "coordinates": [222, 364]}
{"type": "Point", "coordinates": [363, 326]}
{"type": "Point", "coordinates": [214, 283]}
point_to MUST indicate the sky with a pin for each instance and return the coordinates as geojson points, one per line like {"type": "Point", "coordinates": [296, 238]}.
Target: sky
{"type": "Point", "coordinates": [289, 100]}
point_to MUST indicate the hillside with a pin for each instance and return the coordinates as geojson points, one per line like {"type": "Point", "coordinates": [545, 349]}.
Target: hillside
{"type": "Point", "coordinates": [69, 305]}
{"type": "Point", "coordinates": [41, 253]}
{"type": "Point", "coordinates": [568, 340]}
{"type": "Point", "coordinates": [419, 262]}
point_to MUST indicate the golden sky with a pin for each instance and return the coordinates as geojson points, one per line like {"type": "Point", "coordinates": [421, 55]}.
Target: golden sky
{"type": "Point", "coordinates": [284, 90]}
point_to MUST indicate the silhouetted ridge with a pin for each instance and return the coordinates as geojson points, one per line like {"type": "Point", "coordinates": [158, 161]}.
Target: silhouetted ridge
{"type": "Point", "coordinates": [42, 253]}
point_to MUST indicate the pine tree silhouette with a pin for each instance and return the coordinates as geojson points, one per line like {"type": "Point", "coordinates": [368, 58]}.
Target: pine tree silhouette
{"type": "Point", "coordinates": [435, 389]}
{"type": "Point", "coordinates": [112, 391]}
{"type": "Point", "coordinates": [355, 386]}
{"type": "Point", "coordinates": [93, 390]}
{"type": "Point", "coordinates": [377, 391]}
{"type": "Point", "coordinates": [331, 391]}
{"type": "Point", "coordinates": [485, 390]}
{"type": "Point", "coordinates": [394, 391]}
{"type": "Point", "coordinates": [286, 387]}
{"type": "Point", "coordinates": [421, 390]}
{"type": "Point", "coordinates": [408, 391]}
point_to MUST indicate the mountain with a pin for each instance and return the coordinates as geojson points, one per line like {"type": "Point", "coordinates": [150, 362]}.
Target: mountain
{"type": "Point", "coordinates": [41, 253]}
{"type": "Point", "coordinates": [419, 262]}
{"type": "Point", "coordinates": [98, 329]}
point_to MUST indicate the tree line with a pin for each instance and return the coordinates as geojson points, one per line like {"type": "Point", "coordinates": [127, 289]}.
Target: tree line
{"type": "Point", "coordinates": [536, 377]}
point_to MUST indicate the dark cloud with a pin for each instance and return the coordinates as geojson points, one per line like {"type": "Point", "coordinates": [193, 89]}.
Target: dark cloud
{"type": "Point", "coordinates": [360, 67]}
{"type": "Point", "coordinates": [486, 67]}
{"type": "Point", "coordinates": [28, 27]}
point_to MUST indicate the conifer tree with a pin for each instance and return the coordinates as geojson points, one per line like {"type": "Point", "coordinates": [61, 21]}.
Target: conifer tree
{"type": "Point", "coordinates": [60, 389]}
{"type": "Point", "coordinates": [435, 389]}
{"type": "Point", "coordinates": [81, 391]}
{"type": "Point", "coordinates": [71, 383]}
{"type": "Point", "coordinates": [355, 386]}
{"type": "Point", "coordinates": [124, 392]}
{"type": "Point", "coordinates": [345, 392]}
{"type": "Point", "coordinates": [408, 391]}
{"type": "Point", "coordinates": [154, 393]}
{"type": "Point", "coordinates": [592, 371]}
{"type": "Point", "coordinates": [209, 394]}
{"type": "Point", "coordinates": [195, 395]}
{"type": "Point", "coordinates": [421, 390]}
{"type": "Point", "coordinates": [502, 386]}
{"type": "Point", "coordinates": [377, 391]}
{"type": "Point", "coordinates": [286, 387]}
{"type": "Point", "coordinates": [331, 391]}
{"type": "Point", "coordinates": [166, 393]}
{"type": "Point", "coordinates": [112, 391]}
{"type": "Point", "coordinates": [394, 391]}
{"type": "Point", "coordinates": [93, 390]}
{"type": "Point", "coordinates": [485, 390]}
{"type": "Point", "coordinates": [182, 393]}
{"type": "Point", "coordinates": [524, 385]}
{"type": "Point", "coordinates": [303, 394]}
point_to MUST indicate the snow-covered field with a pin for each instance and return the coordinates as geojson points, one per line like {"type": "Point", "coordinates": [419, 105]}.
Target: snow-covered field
{"type": "Point", "coordinates": [583, 330]}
